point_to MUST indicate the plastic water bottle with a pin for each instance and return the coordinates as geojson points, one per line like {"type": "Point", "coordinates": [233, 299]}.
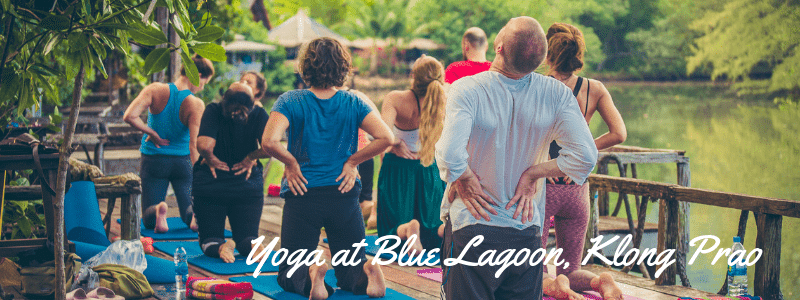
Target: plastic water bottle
{"type": "Point", "coordinates": [737, 272]}
{"type": "Point", "coordinates": [181, 272]}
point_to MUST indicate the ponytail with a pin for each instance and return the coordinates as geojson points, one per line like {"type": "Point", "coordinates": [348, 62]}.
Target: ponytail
{"type": "Point", "coordinates": [431, 120]}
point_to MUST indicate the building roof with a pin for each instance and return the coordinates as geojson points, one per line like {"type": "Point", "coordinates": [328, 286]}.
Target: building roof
{"type": "Point", "coordinates": [419, 43]}
{"type": "Point", "coordinates": [300, 29]}
{"type": "Point", "coordinates": [240, 45]}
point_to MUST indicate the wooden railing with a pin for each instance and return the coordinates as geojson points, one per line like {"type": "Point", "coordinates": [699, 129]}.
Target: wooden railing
{"type": "Point", "coordinates": [672, 234]}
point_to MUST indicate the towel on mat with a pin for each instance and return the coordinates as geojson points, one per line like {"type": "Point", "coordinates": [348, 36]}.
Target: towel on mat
{"type": "Point", "coordinates": [190, 293]}
{"type": "Point", "coordinates": [218, 286]}
{"type": "Point", "coordinates": [743, 297]}
{"type": "Point", "coordinates": [217, 289]}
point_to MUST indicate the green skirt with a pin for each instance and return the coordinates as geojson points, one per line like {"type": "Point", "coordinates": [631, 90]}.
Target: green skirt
{"type": "Point", "coordinates": [406, 191]}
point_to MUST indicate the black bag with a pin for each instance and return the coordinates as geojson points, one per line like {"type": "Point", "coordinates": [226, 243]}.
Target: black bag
{"type": "Point", "coordinates": [26, 144]}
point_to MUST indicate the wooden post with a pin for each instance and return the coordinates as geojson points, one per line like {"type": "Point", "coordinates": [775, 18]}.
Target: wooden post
{"type": "Point", "coordinates": [768, 268]}
{"type": "Point", "coordinates": [131, 215]}
{"type": "Point", "coordinates": [592, 229]}
{"type": "Point", "coordinates": [668, 225]}
{"type": "Point", "coordinates": [602, 205]}
{"type": "Point", "coordinates": [684, 179]}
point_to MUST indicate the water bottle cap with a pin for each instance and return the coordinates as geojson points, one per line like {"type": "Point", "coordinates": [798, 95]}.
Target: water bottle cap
{"type": "Point", "coordinates": [737, 239]}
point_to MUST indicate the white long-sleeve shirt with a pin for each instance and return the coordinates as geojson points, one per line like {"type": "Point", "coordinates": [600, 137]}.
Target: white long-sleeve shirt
{"type": "Point", "coordinates": [500, 127]}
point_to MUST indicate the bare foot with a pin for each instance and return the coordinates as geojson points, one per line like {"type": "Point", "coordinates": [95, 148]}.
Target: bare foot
{"type": "Point", "coordinates": [318, 290]}
{"type": "Point", "coordinates": [376, 288]}
{"type": "Point", "coordinates": [440, 231]}
{"type": "Point", "coordinates": [366, 209]}
{"type": "Point", "coordinates": [161, 218]}
{"type": "Point", "coordinates": [559, 289]}
{"type": "Point", "coordinates": [193, 225]}
{"type": "Point", "coordinates": [372, 222]}
{"type": "Point", "coordinates": [226, 252]}
{"type": "Point", "coordinates": [405, 231]}
{"type": "Point", "coordinates": [606, 286]}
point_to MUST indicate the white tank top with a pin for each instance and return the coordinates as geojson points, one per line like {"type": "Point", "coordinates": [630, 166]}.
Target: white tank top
{"type": "Point", "coordinates": [409, 137]}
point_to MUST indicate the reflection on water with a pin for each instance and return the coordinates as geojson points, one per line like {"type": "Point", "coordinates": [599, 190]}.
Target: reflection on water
{"type": "Point", "coordinates": [745, 145]}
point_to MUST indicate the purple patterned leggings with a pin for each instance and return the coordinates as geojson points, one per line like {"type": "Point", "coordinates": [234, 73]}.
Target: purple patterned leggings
{"type": "Point", "coordinates": [570, 206]}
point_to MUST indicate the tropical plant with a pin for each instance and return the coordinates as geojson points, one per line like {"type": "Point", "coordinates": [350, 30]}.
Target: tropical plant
{"type": "Point", "coordinates": [753, 42]}
{"type": "Point", "coordinates": [44, 41]}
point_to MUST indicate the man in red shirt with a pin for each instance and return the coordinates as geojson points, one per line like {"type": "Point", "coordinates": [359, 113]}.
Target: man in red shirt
{"type": "Point", "coordinates": [473, 47]}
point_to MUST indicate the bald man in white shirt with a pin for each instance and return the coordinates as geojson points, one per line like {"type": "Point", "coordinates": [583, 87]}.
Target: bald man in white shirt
{"type": "Point", "coordinates": [493, 154]}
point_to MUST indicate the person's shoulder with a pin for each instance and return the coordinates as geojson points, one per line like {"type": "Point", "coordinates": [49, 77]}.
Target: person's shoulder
{"type": "Point", "coordinates": [293, 96]}
{"type": "Point", "coordinates": [214, 106]}
{"type": "Point", "coordinates": [194, 102]}
{"type": "Point", "coordinates": [473, 81]}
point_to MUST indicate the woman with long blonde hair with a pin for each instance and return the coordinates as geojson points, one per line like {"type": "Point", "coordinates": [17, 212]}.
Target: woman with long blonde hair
{"type": "Point", "coordinates": [409, 188]}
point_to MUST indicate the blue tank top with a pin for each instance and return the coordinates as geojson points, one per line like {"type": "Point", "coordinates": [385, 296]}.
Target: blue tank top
{"type": "Point", "coordinates": [168, 125]}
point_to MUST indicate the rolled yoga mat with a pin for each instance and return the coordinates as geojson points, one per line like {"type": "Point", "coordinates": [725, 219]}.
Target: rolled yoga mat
{"type": "Point", "coordinates": [215, 265]}
{"type": "Point", "coordinates": [372, 249]}
{"type": "Point", "coordinates": [177, 231]}
{"type": "Point", "coordinates": [268, 285]}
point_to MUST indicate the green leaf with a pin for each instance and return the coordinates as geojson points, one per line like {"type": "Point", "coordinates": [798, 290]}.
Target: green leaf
{"type": "Point", "coordinates": [24, 226]}
{"type": "Point", "coordinates": [211, 51]}
{"type": "Point", "coordinates": [157, 60]}
{"type": "Point", "coordinates": [45, 70]}
{"type": "Point", "coordinates": [86, 6]}
{"type": "Point", "coordinates": [98, 62]}
{"type": "Point", "coordinates": [184, 47]}
{"type": "Point", "coordinates": [98, 47]}
{"type": "Point", "coordinates": [77, 41]}
{"type": "Point", "coordinates": [51, 44]}
{"type": "Point", "coordinates": [209, 33]}
{"type": "Point", "coordinates": [190, 68]}
{"type": "Point", "coordinates": [148, 36]}
{"type": "Point", "coordinates": [55, 23]}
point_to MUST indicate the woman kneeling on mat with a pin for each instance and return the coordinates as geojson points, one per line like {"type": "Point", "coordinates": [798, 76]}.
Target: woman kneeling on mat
{"type": "Point", "coordinates": [228, 182]}
{"type": "Point", "coordinates": [409, 188]}
{"type": "Point", "coordinates": [568, 202]}
{"type": "Point", "coordinates": [321, 184]}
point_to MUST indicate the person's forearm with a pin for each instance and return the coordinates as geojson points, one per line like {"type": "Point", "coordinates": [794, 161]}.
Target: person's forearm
{"type": "Point", "coordinates": [545, 169]}
{"type": "Point", "coordinates": [275, 149]}
{"type": "Point", "coordinates": [609, 139]}
{"type": "Point", "coordinates": [137, 123]}
{"type": "Point", "coordinates": [375, 148]}
{"type": "Point", "coordinates": [467, 175]}
{"type": "Point", "coordinates": [257, 154]}
{"type": "Point", "coordinates": [194, 155]}
{"type": "Point", "coordinates": [208, 154]}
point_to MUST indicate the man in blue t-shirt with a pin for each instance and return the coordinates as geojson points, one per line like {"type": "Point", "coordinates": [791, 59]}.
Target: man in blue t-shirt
{"type": "Point", "coordinates": [321, 184]}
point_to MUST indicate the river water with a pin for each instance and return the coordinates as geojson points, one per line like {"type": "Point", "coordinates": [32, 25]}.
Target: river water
{"type": "Point", "coordinates": [739, 144]}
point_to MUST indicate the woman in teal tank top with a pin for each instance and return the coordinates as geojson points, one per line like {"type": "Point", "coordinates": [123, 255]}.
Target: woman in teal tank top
{"type": "Point", "coordinates": [168, 144]}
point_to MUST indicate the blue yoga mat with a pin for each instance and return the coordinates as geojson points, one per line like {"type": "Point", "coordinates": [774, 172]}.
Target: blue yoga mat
{"type": "Point", "coordinates": [372, 249]}
{"type": "Point", "coordinates": [177, 231]}
{"type": "Point", "coordinates": [215, 265]}
{"type": "Point", "coordinates": [268, 285]}
{"type": "Point", "coordinates": [158, 270]}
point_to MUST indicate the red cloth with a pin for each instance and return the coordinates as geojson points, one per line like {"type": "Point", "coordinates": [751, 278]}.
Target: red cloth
{"type": "Point", "coordinates": [459, 69]}
{"type": "Point", "coordinates": [190, 293]}
{"type": "Point", "coordinates": [274, 190]}
{"type": "Point", "coordinates": [218, 286]}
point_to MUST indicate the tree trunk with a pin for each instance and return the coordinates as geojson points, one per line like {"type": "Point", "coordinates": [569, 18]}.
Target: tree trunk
{"type": "Point", "coordinates": [61, 182]}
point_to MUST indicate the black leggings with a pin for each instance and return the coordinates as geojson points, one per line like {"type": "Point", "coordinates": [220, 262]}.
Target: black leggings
{"type": "Point", "coordinates": [244, 215]}
{"type": "Point", "coordinates": [157, 172]}
{"type": "Point", "coordinates": [367, 172]}
{"type": "Point", "coordinates": [304, 216]}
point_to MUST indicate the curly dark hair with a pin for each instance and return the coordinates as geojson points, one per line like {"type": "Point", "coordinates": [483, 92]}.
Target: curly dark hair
{"type": "Point", "coordinates": [324, 63]}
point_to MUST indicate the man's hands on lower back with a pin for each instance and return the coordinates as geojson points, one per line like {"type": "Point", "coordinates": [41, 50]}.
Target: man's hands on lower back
{"type": "Point", "coordinates": [469, 189]}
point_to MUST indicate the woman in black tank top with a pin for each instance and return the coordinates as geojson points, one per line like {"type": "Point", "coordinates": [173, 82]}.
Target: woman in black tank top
{"type": "Point", "coordinates": [567, 202]}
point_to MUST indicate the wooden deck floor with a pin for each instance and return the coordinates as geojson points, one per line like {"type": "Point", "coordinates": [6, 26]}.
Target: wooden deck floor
{"type": "Point", "coordinates": [404, 279]}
